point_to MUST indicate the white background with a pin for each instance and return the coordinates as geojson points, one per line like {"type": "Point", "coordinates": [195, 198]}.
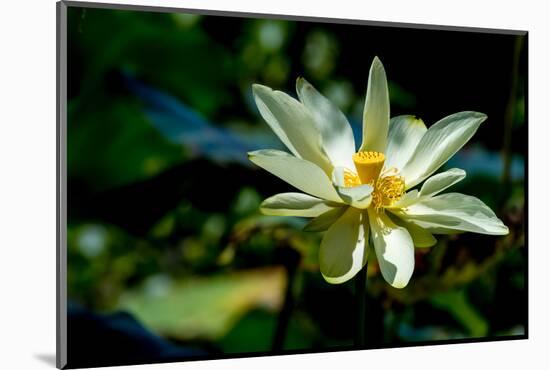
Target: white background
{"type": "Point", "coordinates": [27, 182]}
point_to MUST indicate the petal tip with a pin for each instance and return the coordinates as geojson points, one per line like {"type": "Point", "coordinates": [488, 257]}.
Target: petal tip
{"type": "Point", "coordinates": [336, 280]}
{"type": "Point", "coordinates": [505, 230]}
{"type": "Point", "coordinates": [303, 85]}
{"type": "Point", "coordinates": [458, 171]}
{"type": "Point", "coordinates": [400, 284]}
{"type": "Point", "coordinates": [403, 281]}
{"type": "Point", "coordinates": [482, 117]}
{"type": "Point", "coordinates": [418, 121]}
{"type": "Point", "coordinates": [258, 89]}
{"type": "Point", "coordinates": [377, 64]}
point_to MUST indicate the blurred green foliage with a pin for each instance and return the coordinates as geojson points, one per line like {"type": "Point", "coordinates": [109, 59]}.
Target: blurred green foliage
{"type": "Point", "coordinates": [211, 272]}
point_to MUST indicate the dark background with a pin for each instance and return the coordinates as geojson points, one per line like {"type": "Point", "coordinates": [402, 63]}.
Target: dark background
{"type": "Point", "coordinates": [164, 234]}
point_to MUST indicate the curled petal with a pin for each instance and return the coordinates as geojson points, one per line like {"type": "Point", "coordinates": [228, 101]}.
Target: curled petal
{"type": "Point", "coordinates": [357, 196]}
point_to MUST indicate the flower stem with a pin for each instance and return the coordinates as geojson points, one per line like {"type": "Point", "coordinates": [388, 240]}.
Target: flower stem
{"type": "Point", "coordinates": [360, 306]}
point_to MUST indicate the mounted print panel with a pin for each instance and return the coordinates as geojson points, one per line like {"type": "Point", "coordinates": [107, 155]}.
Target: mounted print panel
{"type": "Point", "coordinates": [236, 185]}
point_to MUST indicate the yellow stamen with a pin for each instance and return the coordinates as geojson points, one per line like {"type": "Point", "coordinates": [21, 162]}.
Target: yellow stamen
{"type": "Point", "coordinates": [387, 190]}
{"type": "Point", "coordinates": [388, 186]}
{"type": "Point", "coordinates": [351, 179]}
{"type": "Point", "coordinates": [368, 165]}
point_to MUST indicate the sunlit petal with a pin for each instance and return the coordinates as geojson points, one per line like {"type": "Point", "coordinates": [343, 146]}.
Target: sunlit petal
{"type": "Point", "coordinates": [437, 183]}
{"type": "Point", "coordinates": [394, 249]}
{"type": "Point", "coordinates": [344, 247]}
{"type": "Point", "coordinates": [337, 136]}
{"type": "Point", "coordinates": [406, 200]}
{"type": "Point", "coordinates": [421, 237]}
{"type": "Point", "coordinates": [453, 212]}
{"type": "Point", "coordinates": [295, 204]}
{"type": "Point", "coordinates": [404, 134]}
{"type": "Point", "coordinates": [439, 143]}
{"type": "Point", "coordinates": [376, 114]}
{"type": "Point", "coordinates": [293, 124]}
{"type": "Point", "coordinates": [299, 173]}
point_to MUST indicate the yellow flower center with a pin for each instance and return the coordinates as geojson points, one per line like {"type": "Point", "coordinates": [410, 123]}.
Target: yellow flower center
{"type": "Point", "coordinates": [369, 165]}
{"type": "Point", "coordinates": [388, 186]}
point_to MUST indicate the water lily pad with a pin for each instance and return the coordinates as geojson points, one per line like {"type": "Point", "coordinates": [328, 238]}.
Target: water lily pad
{"type": "Point", "coordinates": [206, 307]}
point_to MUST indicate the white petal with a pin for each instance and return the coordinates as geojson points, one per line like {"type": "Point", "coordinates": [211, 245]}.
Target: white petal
{"type": "Point", "coordinates": [357, 196]}
{"type": "Point", "coordinates": [292, 123]}
{"type": "Point", "coordinates": [344, 247]}
{"type": "Point", "coordinates": [437, 183]}
{"type": "Point", "coordinates": [404, 134]}
{"type": "Point", "coordinates": [421, 238]}
{"type": "Point", "coordinates": [394, 249]}
{"type": "Point", "coordinates": [299, 173]}
{"type": "Point", "coordinates": [376, 114]}
{"type": "Point", "coordinates": [454, 212]}
{"type": "Point", "coordinates": [406, 200]}
{"type": "Point", "coordinates": [439, 143]}
{"type": "Point", "coordinates": [294, 204]}
{"type": "Point", "coordinates": [336, 133]}
{"type": "Point", "coordinates": [324, 221]}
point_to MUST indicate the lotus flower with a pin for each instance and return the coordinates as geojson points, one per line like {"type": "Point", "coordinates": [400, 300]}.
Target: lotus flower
{"type": "Point", "coordinates": [357, 196]}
